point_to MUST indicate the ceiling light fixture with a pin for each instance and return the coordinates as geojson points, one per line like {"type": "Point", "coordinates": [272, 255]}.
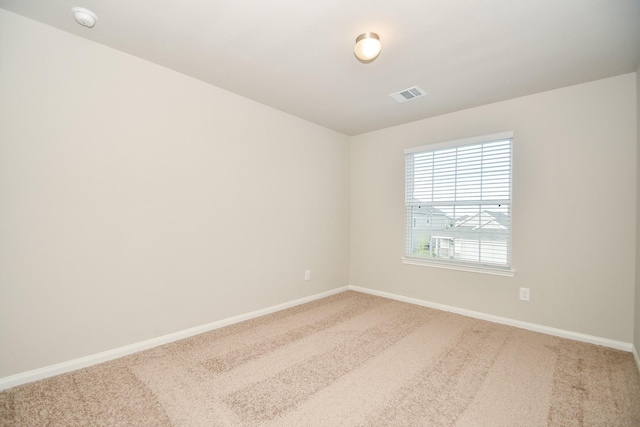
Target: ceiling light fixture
{"type": "Point", "coordinates": [84, 17]}
{"type": "Point", "coordinates": [368, 47]}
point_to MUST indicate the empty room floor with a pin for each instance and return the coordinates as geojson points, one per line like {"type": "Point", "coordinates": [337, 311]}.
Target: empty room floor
{"type": "Point", "coordinates": [351, 359]}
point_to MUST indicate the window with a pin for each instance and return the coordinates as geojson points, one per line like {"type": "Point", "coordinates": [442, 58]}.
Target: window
{"type": "Point", "coordinates": [458, 203]}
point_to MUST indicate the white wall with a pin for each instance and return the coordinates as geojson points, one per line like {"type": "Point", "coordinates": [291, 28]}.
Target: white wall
{"type": "Point", "coordinates": [637, 294]}
{"type": "Point", "coordinates": [574, 218]}
{"type": "Point", "coordinates": [136, 201]}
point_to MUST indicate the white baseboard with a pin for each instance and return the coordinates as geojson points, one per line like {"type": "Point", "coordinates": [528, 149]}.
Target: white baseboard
{"type": "Point", "coordinates": [105, 356]}
{"type": "Point", "coordinates": [619, 345]}
{"type": "Point", "coordinates": [635, 356]}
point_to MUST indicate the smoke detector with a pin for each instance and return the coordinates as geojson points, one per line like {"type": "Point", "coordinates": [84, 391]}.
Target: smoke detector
{"type": "Point", "coordinates": [407, 94]}
{"type": "Point", "coordinates": [84, 17]}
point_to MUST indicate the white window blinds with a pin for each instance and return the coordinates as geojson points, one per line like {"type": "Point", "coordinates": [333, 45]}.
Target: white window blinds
{"type": "Point", "coordinates": [458, 202]}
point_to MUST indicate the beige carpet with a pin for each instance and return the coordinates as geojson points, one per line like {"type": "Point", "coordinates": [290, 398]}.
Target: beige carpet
{"type": "Point", "coordinates": [347, 360]}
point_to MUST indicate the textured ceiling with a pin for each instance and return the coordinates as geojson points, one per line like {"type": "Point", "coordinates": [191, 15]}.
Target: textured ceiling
{"type": "Point", "coordinates": [297, 56]}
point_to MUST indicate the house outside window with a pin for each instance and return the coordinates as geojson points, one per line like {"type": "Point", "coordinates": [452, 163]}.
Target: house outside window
{"type": "Point", "coordinates": [458, 203]}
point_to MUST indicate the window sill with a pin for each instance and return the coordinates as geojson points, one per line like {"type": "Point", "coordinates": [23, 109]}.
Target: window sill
{"type": "Point", "coordinates": [479, 269]}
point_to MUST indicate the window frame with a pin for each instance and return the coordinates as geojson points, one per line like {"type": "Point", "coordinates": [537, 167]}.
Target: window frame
{"type": "Point", "coordinates": [478, 267]}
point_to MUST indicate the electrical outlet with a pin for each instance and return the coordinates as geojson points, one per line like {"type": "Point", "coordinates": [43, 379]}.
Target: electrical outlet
{"type": "Point", "coordinates": [524, 294]}
{"type": "Point", "coordinates": [307, 275]}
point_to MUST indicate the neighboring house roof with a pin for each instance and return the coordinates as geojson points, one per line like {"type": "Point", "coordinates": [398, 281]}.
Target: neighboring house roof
{"type": "Point", "coordinates": [488, 224]}
{"type": "Point", "coordinates": [501, 217]}
{"type": "Point", "coordinates": [483, 220]}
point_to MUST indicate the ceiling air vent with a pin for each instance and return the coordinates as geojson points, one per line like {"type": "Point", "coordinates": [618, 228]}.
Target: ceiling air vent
{"type": "Point", "coordinates": [408, 94]}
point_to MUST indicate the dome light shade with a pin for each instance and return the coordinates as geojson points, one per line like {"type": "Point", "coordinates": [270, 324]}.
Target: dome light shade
{"type": "Point", "coordinates": [368, 47]}
{"type": "Point", "coordinates": [84, 17]}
